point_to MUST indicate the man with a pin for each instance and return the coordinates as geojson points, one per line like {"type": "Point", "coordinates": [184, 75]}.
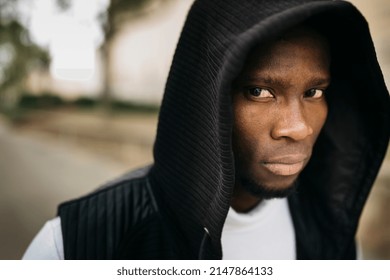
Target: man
{"type": "Point", "coordinates": [265, 99]}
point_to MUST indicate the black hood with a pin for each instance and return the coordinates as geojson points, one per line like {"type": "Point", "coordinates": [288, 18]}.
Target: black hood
{"type": "Point", "coordinates": [194, 162]}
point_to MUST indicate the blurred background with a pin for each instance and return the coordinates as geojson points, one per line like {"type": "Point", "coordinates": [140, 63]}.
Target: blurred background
{"type": "Point", "coordinates": [80, 88]}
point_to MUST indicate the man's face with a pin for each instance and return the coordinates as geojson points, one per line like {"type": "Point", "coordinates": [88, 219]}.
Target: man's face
{"type": "Point", "coordinates": [279, 110]}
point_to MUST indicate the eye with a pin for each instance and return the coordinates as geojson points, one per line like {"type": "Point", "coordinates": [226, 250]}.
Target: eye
{"type": "Point", "coordinates": [314, 93]}
{"type": "Point", "coordinates": [257, 92]}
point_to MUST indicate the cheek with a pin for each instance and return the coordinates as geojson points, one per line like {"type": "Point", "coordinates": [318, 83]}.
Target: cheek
{"type": "Point", "coordinates": [318, 117]}
{"type": "Point", "coordinates": [245, 125]}
{"type": "Point", "coordinates": [248, 129]}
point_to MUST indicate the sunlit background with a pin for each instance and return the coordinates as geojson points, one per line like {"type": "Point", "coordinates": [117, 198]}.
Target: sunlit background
{"type": "Point", "coordinates": [80, 87]}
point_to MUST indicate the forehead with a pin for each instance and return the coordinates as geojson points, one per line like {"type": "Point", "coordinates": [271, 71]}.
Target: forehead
{"type": "Point", "coordinates": [298, 45]}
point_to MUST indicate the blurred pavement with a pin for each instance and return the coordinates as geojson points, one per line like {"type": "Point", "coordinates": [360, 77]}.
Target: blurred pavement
{"type": "Point", "coordinates": [39, 169]}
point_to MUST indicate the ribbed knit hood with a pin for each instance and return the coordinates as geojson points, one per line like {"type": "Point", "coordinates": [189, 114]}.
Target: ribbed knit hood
{"type": "Point", "coordinates": [194, 163]}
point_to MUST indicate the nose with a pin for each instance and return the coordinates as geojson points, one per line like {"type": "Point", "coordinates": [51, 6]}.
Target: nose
{"type": "Point", "coordinates": [291, 123]}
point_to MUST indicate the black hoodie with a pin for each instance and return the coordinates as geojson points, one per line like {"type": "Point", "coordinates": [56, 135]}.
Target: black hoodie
{"type": "Point", "coordinates": [178, 207]}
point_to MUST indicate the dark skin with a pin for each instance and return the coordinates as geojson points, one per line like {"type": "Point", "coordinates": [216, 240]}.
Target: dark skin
{"type": "Point", "coordinates": [279, 110]}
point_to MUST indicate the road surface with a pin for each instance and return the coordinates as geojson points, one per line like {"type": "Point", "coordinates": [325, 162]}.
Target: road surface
{"type": "Point", "coordinates": [35, 176]}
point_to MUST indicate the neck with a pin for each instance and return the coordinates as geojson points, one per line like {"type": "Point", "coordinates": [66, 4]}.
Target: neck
{"type": "Point", "coordinates": [242, 201]}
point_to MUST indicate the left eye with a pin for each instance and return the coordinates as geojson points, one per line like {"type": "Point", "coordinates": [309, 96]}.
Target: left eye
{"type": "Point", "coordinates": [314, 93]}
{"type": "Point", "coordinates": [258, 92]}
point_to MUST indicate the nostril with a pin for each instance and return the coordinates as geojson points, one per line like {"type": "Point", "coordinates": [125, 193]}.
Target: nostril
{"type": "Point", "coordinates": [293, 128]}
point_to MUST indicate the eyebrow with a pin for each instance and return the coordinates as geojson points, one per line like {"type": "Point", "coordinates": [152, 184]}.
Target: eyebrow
{"type": "Point", "coordinates": [315, 81]}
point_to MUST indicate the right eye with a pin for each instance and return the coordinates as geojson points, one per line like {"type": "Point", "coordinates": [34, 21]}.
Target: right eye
{"type": "Point", "coordinates": [259, 93]}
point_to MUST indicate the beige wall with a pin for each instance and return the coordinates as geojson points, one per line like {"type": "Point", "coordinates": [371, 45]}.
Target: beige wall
{"type": "Point", "coordinates": [143, 52]}
{"type": "Point", "coordinates": [377, 14]}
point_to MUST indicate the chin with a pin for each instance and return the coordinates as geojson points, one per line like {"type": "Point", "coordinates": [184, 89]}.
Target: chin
{"type": "Point", "coordinates": [268, 191]}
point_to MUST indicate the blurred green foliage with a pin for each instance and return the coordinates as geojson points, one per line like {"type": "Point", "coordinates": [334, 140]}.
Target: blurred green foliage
{"type": "Point", "coordinates": [18, 54]}
{"type": "Point", "coordinates": [44, 101]}
{"type": "Point", "coordinates": [29, 103]}
{"type": "Point", "coordinates": [50, 101]}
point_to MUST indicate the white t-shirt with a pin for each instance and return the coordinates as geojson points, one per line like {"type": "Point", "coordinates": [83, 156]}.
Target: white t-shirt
{"type": "Point", "coordinates": [47, 244]}
{"type": "Point", "coordinates": [266, 232]}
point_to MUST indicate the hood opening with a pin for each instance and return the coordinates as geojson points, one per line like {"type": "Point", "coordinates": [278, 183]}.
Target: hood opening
{"type": "Point", "coordinates": [194, 164]}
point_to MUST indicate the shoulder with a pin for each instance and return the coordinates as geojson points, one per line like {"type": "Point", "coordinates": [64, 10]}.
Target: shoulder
{"type": "Point", "coordinates": [47, 244]}
{"type": "Point", "coordinates": [130, 184]}
{"type": "Point", "coordinates": [94, 225]}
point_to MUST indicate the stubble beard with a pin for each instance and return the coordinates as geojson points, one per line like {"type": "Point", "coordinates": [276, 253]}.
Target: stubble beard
{"type": "Point", "coordinates": [267, 192]}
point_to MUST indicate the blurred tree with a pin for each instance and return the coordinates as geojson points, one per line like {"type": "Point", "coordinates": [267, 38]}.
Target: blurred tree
{"type": "Point", "coordinates": [18, 54]}
{"type": "Point", "coordinates": [112, 20]}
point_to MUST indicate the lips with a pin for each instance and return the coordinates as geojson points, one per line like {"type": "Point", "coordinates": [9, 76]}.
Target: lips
{"type": "Point", "coordinates": [286, 165]}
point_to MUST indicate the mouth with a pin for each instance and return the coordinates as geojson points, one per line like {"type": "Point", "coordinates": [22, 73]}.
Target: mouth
{"type": "Point", "coordinates": [285, 166]}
